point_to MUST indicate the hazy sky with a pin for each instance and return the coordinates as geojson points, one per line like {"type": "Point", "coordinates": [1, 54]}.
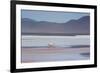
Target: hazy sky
{"type": "Point", "coordinates": [51, 16]}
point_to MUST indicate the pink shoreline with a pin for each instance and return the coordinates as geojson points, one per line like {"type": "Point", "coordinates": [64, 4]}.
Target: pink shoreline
{"type": "Point", "coordinates": [55, 50]}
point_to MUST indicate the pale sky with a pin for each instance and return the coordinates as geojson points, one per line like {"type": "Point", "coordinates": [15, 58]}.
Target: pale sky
{"type": "Point", "coordinates": [51, 16]}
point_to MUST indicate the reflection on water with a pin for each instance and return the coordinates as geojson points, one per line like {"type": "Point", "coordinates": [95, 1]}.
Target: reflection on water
{"type": "Point", "coordinates": [53, 57]}
{"type": "Point", "coordinates": [85, 54]}
{"type": "Point", "coordinates": [34, 55]}
{"type": "Point", "coordinates": [58, 41]}
{"type": "Point", "coordinates": [42, 49]}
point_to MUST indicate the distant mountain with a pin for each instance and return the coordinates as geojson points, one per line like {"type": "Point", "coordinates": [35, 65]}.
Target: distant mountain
{"type": "Point", "coordinates": [80, 26]}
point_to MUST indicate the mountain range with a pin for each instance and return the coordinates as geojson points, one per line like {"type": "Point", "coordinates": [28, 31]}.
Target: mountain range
{"type": "Point", "coordinates": [73, 27]}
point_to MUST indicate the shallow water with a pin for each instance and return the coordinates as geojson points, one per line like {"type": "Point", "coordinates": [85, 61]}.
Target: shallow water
{"type": "Point", "coordinates": [53, 57]}
{"type": "Point", "coordinates": [59, 41]}
{"type": "Point", "coordinates": [62, 51]}
{"type": "Point", "coordinates": [42, 55]}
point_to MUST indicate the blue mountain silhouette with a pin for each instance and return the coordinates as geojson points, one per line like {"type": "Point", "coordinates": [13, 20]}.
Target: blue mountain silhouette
{"type": "Point", "coordinates": [79, 26]}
